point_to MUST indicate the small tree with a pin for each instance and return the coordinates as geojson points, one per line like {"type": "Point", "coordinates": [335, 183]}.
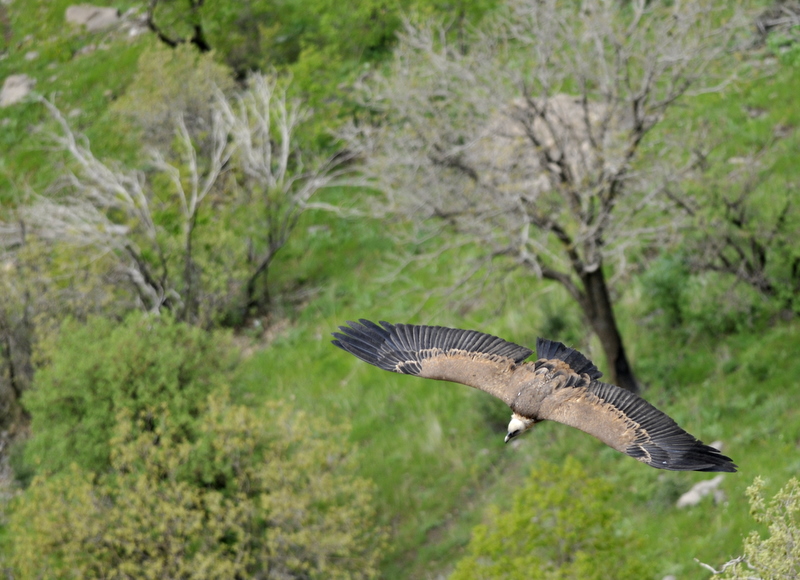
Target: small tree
{"type": "Point", "coordinates": [560, 525]}
{"type": "Point", "coordinates": [196, 234]}
{"type": "Point", "coordinates": [39, 285]}
{"type": "Point", "coordinates": [101, 368]}
{"type": "Point", "coordinates": [530, 142]}
{"type": "Point", "coordinates": [253, 495]}
{"type": "Point", "coordinates": [777, 555]}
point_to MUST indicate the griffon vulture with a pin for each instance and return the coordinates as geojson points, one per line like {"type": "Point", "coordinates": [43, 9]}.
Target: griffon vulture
{"type": "Point", "coordinates": [560, 386]}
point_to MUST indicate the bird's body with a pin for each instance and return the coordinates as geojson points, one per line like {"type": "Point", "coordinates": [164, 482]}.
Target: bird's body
{"type": "Point", "coordinates": [561, 385]}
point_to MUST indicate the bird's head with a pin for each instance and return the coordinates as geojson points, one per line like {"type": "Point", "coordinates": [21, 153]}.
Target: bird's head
{"type": "Point", "coordinates": [517, 426]}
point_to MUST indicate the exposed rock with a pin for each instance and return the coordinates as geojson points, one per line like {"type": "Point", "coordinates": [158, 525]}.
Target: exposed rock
{"type": "Point", "coordinates": [31, 55]}
{"type": "Point", "coordinates": [700, 490]}
{"type": "Point", "coordinates": [15, 89]}
{"type": "Point", "coordinates": [88, 49]}
{"type": "Point", "coordinates": [134, 23]}
{"type": "Point", "coordinates": [93, 17]}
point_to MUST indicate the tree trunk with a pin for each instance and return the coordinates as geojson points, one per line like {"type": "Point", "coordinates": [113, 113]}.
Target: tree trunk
{"type": "Point", "coordinates": [597, 307]}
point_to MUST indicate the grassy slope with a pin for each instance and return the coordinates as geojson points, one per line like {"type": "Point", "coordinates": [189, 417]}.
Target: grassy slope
{"type": "Point", "coordinates": [434, 450]}
{"type": "Point", "coordinates": [81, 86]}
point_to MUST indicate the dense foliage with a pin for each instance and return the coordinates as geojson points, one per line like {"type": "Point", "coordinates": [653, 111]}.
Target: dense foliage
{"type": "Point", "coordinates": [254, 493]}
{"type": "Point", "coordinates": [559, 526]}
{"type": "Point", "coordinates": [142, 366]}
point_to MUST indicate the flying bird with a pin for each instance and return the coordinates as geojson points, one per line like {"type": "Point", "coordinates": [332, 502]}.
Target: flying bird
{"type": "Point", "coordinates": [562, 385]}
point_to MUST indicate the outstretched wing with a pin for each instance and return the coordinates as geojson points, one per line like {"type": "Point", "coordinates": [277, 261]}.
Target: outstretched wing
{"type": "Point", "coordinates": [625, 422]}
{"type": "Point", "coordinates": [469, 357]}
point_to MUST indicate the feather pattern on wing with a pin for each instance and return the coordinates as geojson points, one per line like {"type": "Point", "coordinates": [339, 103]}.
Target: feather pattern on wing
{"type": "Point", "coordinates": [623, 421]}
{"type": "Point", "coordinates": [560, 386]}
{"type": "Point", "coordinates": [469, 357]}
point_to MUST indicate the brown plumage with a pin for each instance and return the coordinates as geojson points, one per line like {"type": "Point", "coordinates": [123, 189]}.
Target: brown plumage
{"type": "Point", "coordinates": [560, 386]}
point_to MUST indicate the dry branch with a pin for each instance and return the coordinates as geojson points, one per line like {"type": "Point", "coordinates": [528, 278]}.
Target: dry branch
{"type": "Point", "coordinates": [531, 142]}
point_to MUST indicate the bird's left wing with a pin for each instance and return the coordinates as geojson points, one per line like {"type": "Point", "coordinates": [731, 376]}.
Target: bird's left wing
{"type": "Point", "coordinates": [633, 426]}
{"type": "Point", "coordinates": [468, 357]}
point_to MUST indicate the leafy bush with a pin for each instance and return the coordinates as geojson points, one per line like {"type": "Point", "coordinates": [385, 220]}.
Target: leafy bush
{"type": "Point", "coordinates": [778, 555]}
{"type": "Point", "coordinates": [705, 303]}
{"type": "Point", "coordinates": [103, 367]}
{"type": "Point", "coordinates": [170, 82]}
{"type": "Point", "coordinates": [560, 526]}
{"type": "Point", "coordinates": [255, 495]}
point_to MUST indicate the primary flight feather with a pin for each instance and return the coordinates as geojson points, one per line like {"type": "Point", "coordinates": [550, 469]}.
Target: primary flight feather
{"type": "Point", "coordinates": [561, 385]}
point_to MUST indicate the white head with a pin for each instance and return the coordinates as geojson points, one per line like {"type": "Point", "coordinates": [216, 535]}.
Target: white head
{"type": "Point", "coordinates": [518, 425]}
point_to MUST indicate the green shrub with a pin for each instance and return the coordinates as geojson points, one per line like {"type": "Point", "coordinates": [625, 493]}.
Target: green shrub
{"type": "Point", "coordinates": [560, 526]}
{"type": "Point", "coordinates": [103, 367]}
{"type": "Point", "coordinates": [777, 555]}
{"type": "Point", "coordinates": [171, 82]}
{"type": "Point", "coordinates": [255, 495]}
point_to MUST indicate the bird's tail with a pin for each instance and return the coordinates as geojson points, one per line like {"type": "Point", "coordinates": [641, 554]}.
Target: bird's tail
{"type": "Point", "coordinates": [550, 349]}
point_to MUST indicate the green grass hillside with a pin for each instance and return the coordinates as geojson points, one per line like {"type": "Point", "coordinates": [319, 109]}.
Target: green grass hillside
{"type": "Point", "coordinates": [724, 365]}
{"type": "Point", "coordinates": [435, 449]}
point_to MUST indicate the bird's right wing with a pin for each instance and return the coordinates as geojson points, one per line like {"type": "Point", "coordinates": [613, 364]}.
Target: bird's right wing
{"type": "Point", "coordinates": [468, 357]}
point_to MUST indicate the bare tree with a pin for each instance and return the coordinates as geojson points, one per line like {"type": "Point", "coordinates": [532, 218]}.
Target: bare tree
{"type": "Point", "coordinates": [197, 231]}
{"type": "Point", "coordinates": [532, 143]}
{"type": "Point", "coordinates": [274, 176]}
{"type": "Point", "coordinates": [736, 233]}
{"type": "Point", "coordinates": [109, 211]}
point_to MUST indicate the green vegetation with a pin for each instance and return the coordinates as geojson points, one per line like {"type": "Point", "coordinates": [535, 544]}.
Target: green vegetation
{"type": "Point", "coordinates": [140, 366]}
{"type": "Point", "coordinates": [561, 525]}
{"type": "Point", "coordinates": [312, 455]}
{"type": "Point", "coordinates": [252, 494]}
{"type": "Point", "coordinates": [778, 555]}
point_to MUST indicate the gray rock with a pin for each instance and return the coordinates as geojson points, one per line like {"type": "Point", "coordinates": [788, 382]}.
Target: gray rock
{"type": "Point", "coordinates": [700, 490]}
{"type": "Point", "coordinates": [15, 89]}
{"type": "Point", "coordinates": [93, 17]}
{"type": "Point", "coordinates": [88, 49]}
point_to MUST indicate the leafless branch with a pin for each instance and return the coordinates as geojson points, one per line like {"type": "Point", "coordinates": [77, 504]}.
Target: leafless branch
{"type": "Point", "coordinates": [130, 220]}
{"type": "Point", "coordinates": [263, 125]}
{"type": "Point", "coordinates": [729, 564]}
{"type": "Point", "coordinates": [491, 142]}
